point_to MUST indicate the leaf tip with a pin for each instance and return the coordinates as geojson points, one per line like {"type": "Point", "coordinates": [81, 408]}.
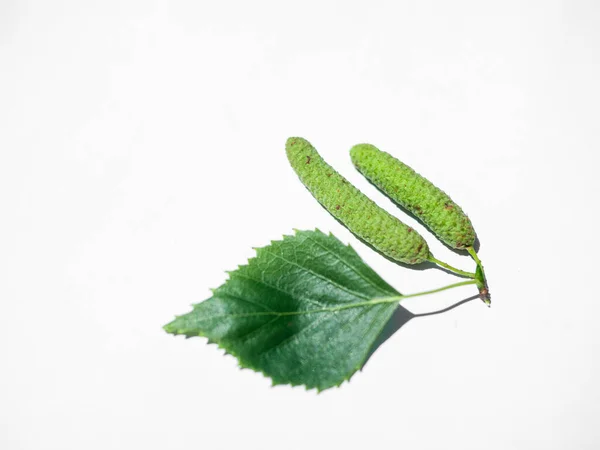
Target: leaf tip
{"type": "Point", "coordinates": [170, 327]}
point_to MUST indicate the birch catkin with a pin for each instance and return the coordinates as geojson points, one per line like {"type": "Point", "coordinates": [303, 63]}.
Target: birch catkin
{"type": "Point", "coordinates": [415, 193]}
{"type": "Point", "coordinates": [351, 207]}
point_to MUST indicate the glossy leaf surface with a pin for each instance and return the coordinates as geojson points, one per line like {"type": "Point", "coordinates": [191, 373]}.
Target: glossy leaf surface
{"type": "Point", "coordinates": [302, 311]}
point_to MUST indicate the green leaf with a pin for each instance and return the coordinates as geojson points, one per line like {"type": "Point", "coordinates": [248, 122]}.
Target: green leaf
{"type": "Point", "coordinates": [302, 311]}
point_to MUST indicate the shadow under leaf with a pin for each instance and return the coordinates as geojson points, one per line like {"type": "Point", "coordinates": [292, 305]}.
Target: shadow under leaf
{"type": "Point", "coordinates": [401, 317]}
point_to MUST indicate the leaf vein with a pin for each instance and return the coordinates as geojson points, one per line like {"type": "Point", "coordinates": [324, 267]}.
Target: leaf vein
{"type": "Point", "coordinates": [350, 266]}
{"type": "Point", "coordinates": [287, 294]}
{"type": "Point", "coordinates": [294, 336]}
{"type": "Point", "coordinates": [235, 297]}
{"type": "Point", "coordinates": [327, 280]}
{"type": "Point", "coordinates": [245, 337]}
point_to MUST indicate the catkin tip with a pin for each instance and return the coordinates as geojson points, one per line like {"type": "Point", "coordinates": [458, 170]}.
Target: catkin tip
{"type": "Point", "coordinates": [360, 148]}
{"type": "Point", "coordinates": [292, 141]}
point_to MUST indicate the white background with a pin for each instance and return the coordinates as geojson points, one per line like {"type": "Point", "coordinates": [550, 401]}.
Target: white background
{"type": "Point", "coordinates": [142, 155]}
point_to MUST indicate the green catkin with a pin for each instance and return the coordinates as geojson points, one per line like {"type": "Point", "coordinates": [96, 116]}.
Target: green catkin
{"type": "Point", "coordinates": [355, 210]}
{"type": "Point", "coordinates": [415, 193]}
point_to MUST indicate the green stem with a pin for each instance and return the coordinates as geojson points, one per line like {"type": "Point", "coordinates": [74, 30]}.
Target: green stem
{"type": "Point", "coordinates": [375, 301]}
{"type": "Point", "coordinates": [473, 253]}
{"type": "Point", "coordinates": [449, 267]}
{"type": "Point", "coordinates": [418, 294]}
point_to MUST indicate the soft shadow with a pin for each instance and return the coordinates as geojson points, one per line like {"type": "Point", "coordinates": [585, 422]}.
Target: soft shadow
{"type": "Point", "coordinates": [456, 305]}
{"type": "Point", "coordinates": [401, 317]}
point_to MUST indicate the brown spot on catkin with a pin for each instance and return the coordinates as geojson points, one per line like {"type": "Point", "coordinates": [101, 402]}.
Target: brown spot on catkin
{"type": "Point", "coordinates": [418, 209]}
{"type": "Point", "coordinates": [410, 230]}
{"type": "Point", "coordinates": [419, 247]}
{"type": "Point", "coordinates": [448, 206]}
{"type": "Point", "coordinates": [308, 160]}
{"type": "Point", "coordinates": [338, 207]}
{"type": "Point", "coordinates": [329, 174]}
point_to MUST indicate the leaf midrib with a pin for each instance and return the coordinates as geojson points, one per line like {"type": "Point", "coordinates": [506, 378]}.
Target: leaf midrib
{"type": "Point", "coordinates": [367, 304]}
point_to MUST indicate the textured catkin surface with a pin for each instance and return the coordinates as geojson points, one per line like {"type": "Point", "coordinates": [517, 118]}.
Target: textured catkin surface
{"type": "Point", "coordinates": [355, 210]}
{"type": "Point", "coordinates": [415, 193]}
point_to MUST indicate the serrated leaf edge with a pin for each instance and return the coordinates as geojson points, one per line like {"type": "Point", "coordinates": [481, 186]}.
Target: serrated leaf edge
{"type": "Point", "coordinates": [244, 365]}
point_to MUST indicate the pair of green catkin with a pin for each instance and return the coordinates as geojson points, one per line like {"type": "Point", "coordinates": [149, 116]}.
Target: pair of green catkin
{"type": "Point", "coordinates": [372, 224]}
